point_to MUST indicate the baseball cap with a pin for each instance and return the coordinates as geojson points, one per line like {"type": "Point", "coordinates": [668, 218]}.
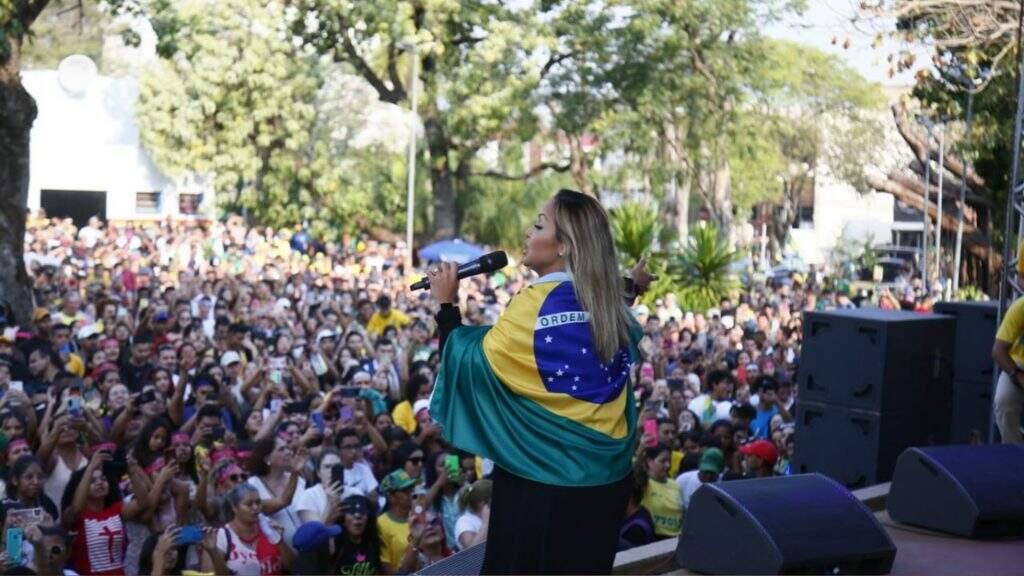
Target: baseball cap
{"type": "Point", "coordinates": [356, 504]}
{"type": "Point", "coordinates": [40, 313]}
{"type": "Point", "coordinates": [763, 449]}
{"type": "Point", "coordinates": [313, 534]}
{"type": "Point", "coordinates": [712, 461]}
{"type": "Point", "coordinates": [89, 330]}
{"type": "Point", "coordinates": [325, 334]}
{"type": "Point", "coordinates": [395, 481]}
{"type": "Point", "coordinates": [229, 358]}
{"type": "Point", "coordinates": [422, 404]}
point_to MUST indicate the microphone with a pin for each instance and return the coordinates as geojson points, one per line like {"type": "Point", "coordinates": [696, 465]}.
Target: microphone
{"type": "Point", "coordinates": [483, 265]}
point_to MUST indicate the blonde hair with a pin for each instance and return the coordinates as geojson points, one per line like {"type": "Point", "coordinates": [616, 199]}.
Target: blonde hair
{"type": "Point", "coordinates": [581, 224]}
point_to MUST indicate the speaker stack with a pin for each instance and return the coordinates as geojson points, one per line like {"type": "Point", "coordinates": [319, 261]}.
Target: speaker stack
{"type": "Point", "coordinates": [871, 384]}
{"type": "Point", "coordinates": [972, 368]}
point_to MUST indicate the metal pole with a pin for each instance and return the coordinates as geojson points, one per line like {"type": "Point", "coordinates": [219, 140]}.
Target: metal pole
{"type": "Point", "coordinates": [924, 210]}
{"type": "Point", "coordinates": [963, 194]}
{"type": "Point", "coordinates": [938, 222]}
{"type": "Point", "coordinates": [1007, 292]}
{"type": "Point", "coordinates": [410, 201]}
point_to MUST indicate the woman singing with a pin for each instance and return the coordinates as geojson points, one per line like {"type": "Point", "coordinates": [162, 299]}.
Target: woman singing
{"type": "Point", "coordinates": [545, 394]}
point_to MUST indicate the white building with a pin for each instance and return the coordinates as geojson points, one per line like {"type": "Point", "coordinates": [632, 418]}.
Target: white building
{"type": "Point", "coordinates": [86, 159]}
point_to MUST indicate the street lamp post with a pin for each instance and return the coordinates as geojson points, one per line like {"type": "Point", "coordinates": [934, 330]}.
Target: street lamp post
{"type": "Point", "coordinates": [927, 198]}
{"type": "Point", "coordinates": [963, 192]}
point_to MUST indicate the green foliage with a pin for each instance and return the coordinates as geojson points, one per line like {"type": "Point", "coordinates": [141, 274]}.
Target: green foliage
{"type": "Point", "coordinates": [239, 102]}
{"type": "Point", "coordinates": [500, 212]}
{"type": "Point", "coordinates": [635, 227]}
{"type": "Point", "coordinates": [702, 270]}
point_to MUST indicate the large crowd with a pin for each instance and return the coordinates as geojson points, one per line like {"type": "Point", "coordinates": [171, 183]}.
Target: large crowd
{"type": "Point", "coordinates": [238, 400]}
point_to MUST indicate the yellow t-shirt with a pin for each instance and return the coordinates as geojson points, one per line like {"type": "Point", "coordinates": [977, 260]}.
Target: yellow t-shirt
{"type": "Point", "coordinates": [378, 323]}
{"type": "Point", "coordinates": [1012, 330]}
{"type": "Point", "coordinates": [394, 539]}
{"type": "Point", "coordinates": [677, 461]}
{"type": "Point", "coordinates": [662, 500]}
{"type": "Point", "coordinates": [403, 416]}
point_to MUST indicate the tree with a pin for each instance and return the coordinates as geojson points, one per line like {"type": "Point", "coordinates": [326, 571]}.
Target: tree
{"type": "Point", "coordinates": [702, 270]}
{"type": "Point", "coordinates": [17, 113]}
{"type": "Point", "coordinates": [973, 48]}
{"type": "Point", "coordinates": [477, 65]}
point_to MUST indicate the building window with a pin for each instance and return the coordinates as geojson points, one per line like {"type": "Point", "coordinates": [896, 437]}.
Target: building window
{"type": "Point", "coordinates": [147, 202]}
{"type": "Point", "coordinates": [188, 204]}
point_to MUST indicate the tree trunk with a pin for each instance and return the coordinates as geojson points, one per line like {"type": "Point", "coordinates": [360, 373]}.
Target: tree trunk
{"type": "Point", "coordinates": [17, 113]}
{"type": "Point", "coordinates": [681, 185]}
{"type": "Point", "coordinates": [441, 181]}
{"type": "Point", "coordinates": [722, 196]}
{"type": "Point", "coordinates": [579, 166]}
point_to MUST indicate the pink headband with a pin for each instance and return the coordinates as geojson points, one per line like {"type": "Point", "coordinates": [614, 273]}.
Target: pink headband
{"type": "Point", "coordinates": [227, 472]}
{"type": "Point", "coordinates": [181, 437]}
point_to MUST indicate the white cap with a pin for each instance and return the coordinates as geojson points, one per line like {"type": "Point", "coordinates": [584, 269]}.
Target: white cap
{"type": "Point", "coordinates": [642, 310]}
{"type": "Point", "coordinates": [284, 303]}
{"type": "Point", "coordinates": [325, 333]}
{"type": "Point", "coordinates": [89, 330]}
{"type": "Point", "coordinates": [728, 322]}
{"type": "Point", "coordinates": [422, 404]}
{"type": "Point", "coordinates": [229, 358]}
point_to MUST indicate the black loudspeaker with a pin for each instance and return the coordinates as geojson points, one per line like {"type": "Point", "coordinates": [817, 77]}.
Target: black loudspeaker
{"type": "Point", "coordinates": [973, 491]}
{"type": "Point", "coordinates": [975, 333]}
{"type": "Point", "coordinates": [787, 524]}
{"type": "Point", "coordinates": [871, 384]}
{"type": "Point", "coordinates": [877, 360]}
{"type": "Point", "coordinates": [856, 448]}
{"type": "Point", "coordinates": [972, 368]}
{"type": "Point", "coordinates": [465, 563]}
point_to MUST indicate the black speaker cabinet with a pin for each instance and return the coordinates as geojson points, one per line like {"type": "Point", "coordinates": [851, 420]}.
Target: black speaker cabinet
{"type": "Point", "coordinates": [783, 525]}
{"type": "Point", "coordinates": [973, 491]}
{"type": "Point", "coordinates": [465, 563]}
{"type": "Point", "coordinates": [856, 448]}
{"type": "Point", "coordinates": [975, 333]}
{"type": "Point", "coordinates": [877, 360]}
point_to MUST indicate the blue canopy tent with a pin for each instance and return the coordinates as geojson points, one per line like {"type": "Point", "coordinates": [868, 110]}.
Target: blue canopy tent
{"type": "Point", "coordinates": [450, 251]}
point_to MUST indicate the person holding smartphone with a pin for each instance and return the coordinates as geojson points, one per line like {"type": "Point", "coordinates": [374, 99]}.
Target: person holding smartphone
{"type": "Point", "coordinates": [347, 542]}
{"type": "Point", "coordinates": [315, 502]}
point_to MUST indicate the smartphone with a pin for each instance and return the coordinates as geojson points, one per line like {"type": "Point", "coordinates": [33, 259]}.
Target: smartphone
{"type": "Point", "coordinates": [75, 401]}
{"type": "Point", "coordinates": [338, 475]}
{"type": "Point", "coordinates": [651, 429]}
{"type": "Point", "coordinates": [108, 447]}
{"type": "Point", "coordinates": [216, 433]}
{"type": "Point", "coordinates": [453, 466]}
{"type": "Point", "coordinates": [350, 392]}
{"type": "Point", "coordinates": [191, 534]}
{"type": "Point", "coordinates": [14, 539]}
{"type": "Point", "coordinates": [293, 408]}
{"type": "Point", "coordinates": [318, 421]}
{"type": "Point", "coordinates": [276, 404]}
{"type": "Point", "coordinates": [346, 413]}
{"type": "Point", "coordinates": [16, 385]}
{"type": "Point", "coordinates": [275, 376]}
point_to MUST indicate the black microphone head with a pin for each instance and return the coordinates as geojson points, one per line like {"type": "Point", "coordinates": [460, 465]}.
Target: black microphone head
{"type": "Point", "coordinates": [494, 261]}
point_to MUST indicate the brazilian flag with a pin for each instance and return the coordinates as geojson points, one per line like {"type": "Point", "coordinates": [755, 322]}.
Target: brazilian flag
{"type": "Point", "coordinates": [532, 394]}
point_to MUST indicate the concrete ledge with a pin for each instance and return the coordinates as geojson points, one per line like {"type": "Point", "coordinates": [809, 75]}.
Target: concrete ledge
{"type": "Point", "coordinates": [660, 557]}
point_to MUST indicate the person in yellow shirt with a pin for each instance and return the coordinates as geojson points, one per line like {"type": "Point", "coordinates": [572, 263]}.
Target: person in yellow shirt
{"type": "Point", "coordinates": [386, 316]}
{"type": "Point", "coordinates": [1008, 352]}
{"type": "Point", "coordinates": [661, 496]}
{"type": "Point", "coordinates": [393, 525]}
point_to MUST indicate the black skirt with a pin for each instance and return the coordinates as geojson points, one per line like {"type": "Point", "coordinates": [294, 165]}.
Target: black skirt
{"type": "Point", "coordinates": [543, 529]}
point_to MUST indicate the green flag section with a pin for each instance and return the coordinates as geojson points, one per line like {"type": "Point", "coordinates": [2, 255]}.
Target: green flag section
{"type": "Point", "coordinates": [479, 414]}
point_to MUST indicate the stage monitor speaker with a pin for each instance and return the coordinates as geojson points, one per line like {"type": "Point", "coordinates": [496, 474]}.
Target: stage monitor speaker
{"type": "Point", "coordinates": [465, 563]}
{"type": "Point", "coordinates": [973, 491]}
{"type": "Point", "coordinates": [783, 525]}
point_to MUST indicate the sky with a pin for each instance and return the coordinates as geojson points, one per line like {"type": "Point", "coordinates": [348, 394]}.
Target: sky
{"type": "Point", "coordinates": [828, 19]}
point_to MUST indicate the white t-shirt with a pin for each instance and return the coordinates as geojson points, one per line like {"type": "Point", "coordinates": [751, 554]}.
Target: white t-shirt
{"type": "Point", "coordinates": [287, 517]}
{"type": "Point", "coordinates": [359, 480]}
{"type": "Point", "coordinates": [243, 559]}
{"type": "Point", "coordinates": [688, 483]}
{"type": "Point", "coordinates": [314, 499]}
{"type": "Point", "coordinates": [468, 522]}
{"type": "Point", "coordinates": [709, 410]}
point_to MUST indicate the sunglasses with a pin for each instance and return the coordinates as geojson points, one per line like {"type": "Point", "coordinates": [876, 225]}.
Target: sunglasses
{"type": "Point", "coordinates": [57, 551]}
{"type": "Point", "coordinates": [416, 460]}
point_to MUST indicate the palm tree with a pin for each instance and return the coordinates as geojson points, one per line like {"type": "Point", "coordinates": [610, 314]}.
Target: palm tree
{"type": "Point", "coordinates": [635, 226]}
{"type": "Point", "coordinates": [702, 270]}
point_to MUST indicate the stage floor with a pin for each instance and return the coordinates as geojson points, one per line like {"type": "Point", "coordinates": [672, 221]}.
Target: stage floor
{"type": "Point", "coordinates": [924, 552]}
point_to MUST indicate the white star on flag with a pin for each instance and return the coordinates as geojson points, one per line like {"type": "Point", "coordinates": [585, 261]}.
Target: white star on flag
{"type": "Point", "coordinates": [559, 373]}
{"type": "Point", "coordinates": [584, 350]}
{"type": "Point", "coordinates": [576, 379]}
{"type": "Point", "coordinates": [574, 388]}
{"type": "Point", "coordinates": [550, 379]}
{"type": "Point", "coordinates": [547, 339]}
